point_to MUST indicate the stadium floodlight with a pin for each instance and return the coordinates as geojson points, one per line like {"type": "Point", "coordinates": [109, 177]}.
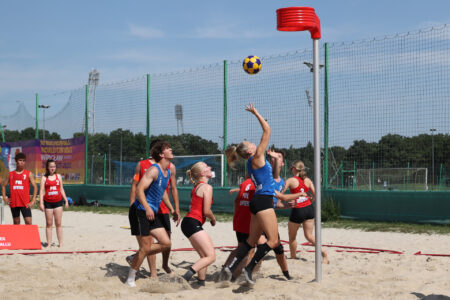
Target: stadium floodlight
{"type": "Point", "coordinates": [44, 107]}
{"type": "Point", "coordinates": [179, 118]}
{"type": "Point", "coordinates": [94, 78]}
{"type": "Point", "coordinates": [305, 19]}
{"type": "Point", "coordinates": [433, 130]}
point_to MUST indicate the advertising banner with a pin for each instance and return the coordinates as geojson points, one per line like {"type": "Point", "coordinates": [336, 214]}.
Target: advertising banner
{"type": "Point", "coordinates": [68, 154]}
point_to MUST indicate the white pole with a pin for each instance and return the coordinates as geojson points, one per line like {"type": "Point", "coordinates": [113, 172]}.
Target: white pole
{"type": "Point", "coordinates": [3, 213]}
{"type": "Point", "coordinates": [317, 181]}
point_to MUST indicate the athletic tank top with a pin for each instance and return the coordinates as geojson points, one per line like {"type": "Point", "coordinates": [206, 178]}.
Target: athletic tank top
{"type": "Point", "coordinates": [278, 186]}
{"type": "Point", "coordinates": [19, 185]}
{"type": "Point", "coordinates": [196, 207]}
{"type": "Point", "coordinates": [301, 201]}
{"type": "Point", "coordinates": [262, 178]}
{"type": "Point", "coordinates": [242, 215]}
{"type": "Point", "coordinates": [155, 191]}
{"type": "Point", "coordinates": [144, 165]}
{"type": "Point", "coordinates": [52, 190]}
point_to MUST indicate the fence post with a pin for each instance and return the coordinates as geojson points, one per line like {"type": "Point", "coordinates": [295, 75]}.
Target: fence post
{"type": "Point", "coordinates": [147, 138]}
{"type": "Point", "coordinates": [104, 169]}
{"type": "Point", "coordinates": [225, 113]}
{"type": "Point", "coordinates": [325, 123]}
{"type": "Point", "coordinates": [36, 135]}
{"type": "Point", "coordinates": [86, 135]}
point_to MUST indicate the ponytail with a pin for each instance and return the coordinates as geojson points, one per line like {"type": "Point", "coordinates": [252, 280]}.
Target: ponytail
{"type": "Point", "coordinates": [231, 156]}
{"type": "Point", "coordinates": [195, 172]}
{"type": "Point", "coordinates": [299, 166]}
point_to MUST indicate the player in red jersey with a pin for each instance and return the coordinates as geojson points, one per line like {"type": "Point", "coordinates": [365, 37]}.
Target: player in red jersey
{"type": "Point", "coordinates": [302, 213]}
{"type": "Point", "coordinates": [19, 186]}
{"type": "Point", "coordinates": [199, 210]}
{"type": "Point", "coordinates": [163, 213]}
{"type": "Point", "coordinates": [52, 199]}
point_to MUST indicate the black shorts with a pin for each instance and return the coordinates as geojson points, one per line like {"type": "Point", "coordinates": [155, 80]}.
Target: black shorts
{"type": "Point", "coordinates": [15, 211]}
{"type": "Point", "coordinates": [241, 237]}
{"type": "Point", "coordinates": [140, 225]}
{"type": "Point", "coordinates": [301, 214]}
{"type": "Point", "coordinates": [260, 203]}
{"type": "Point", "coordinates": [52, 205]}
{"type": "Point", "coordinates": [165, 221]}
{"type": "Point", "coordinates": [189, 226]}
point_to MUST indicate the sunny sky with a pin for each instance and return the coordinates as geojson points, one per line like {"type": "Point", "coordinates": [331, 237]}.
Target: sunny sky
{"type": "Point", "coordinates": [50, 46]}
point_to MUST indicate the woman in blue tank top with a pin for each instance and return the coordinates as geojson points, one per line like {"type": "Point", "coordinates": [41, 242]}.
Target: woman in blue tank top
{"type": "Point", "coordinates": [261, 205]}
{"type": "Point", "coordinates": [150, 192]}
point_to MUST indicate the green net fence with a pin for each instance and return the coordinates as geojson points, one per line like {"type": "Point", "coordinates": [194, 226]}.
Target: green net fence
{"type": "Point", "coordinates": [388, 107]}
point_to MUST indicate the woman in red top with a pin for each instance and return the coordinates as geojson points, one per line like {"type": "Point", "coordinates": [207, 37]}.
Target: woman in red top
{"type": "Point", "coordinates": [52, 198]}
{"type": "Point", "coordinates": [302, 213]}
{"type": "Point", "coordinates": [199, 210]}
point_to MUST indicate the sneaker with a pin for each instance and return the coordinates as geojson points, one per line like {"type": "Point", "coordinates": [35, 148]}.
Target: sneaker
{"type": "Point", "coordinates": [130, 283]}
{"type": "Point", "coordinates": [248, 276]}
{"type": "Point", "coordinates": [129, 259]}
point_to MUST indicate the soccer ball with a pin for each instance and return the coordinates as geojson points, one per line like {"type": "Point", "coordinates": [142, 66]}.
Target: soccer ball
{"type": "Point", "coordinates": [252, 64]}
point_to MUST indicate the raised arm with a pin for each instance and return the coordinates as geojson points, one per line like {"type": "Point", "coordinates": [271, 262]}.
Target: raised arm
{"type": "Point", "coordinates": [259, 157]}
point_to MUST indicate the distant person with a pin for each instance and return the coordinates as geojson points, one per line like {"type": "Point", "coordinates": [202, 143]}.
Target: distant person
{"type": "Point", "coordinates": [191, 226]}
{"type": "Point", "coordinates": [163, 212]}
{"type": "Point", "coordinates": [52, 199]}
{"type": "Point", "coordinates": [302, 213]}
{"type": "Point", "coordinates": [19, 186]}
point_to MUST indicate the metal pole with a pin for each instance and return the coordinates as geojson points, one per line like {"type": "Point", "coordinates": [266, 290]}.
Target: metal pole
{"type": "Point", "coordinates": [147, 139]}
{"type": "Point", "coordinates": [432, 158]}
{"type": "Point", "coordinates": [104, 169]}
{"type": "Point", "coordinates": [36, 135]}
{"type": "Point", "coordinates": [120, 180]}
{"type": "Point", "coordinates": [109, 168]}
{"type": "Point", "coordinates": [317, 161]}
{"type": "Point", "coordinates": [92, 169]}
{"type": "Point", "coordinates": [3, 213]}
{"type": "Point", "coordinates": [3, 134]}
{"type": "Point", "coordinates": [43, 126]}
{"type": "Point", "coordinates": [225, 112]}
{"type": "Point", "coordinates": [86, 134]}
{"type": "Point", "coordinates": [325, 123]}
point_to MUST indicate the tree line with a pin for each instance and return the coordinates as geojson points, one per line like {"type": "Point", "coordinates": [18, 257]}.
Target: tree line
{"type": "Point", "coordinates": [391, 151]}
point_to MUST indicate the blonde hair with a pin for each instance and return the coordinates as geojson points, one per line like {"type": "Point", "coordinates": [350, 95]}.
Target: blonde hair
{"type": "Point", "coordinates": [233, 152]}
{"type": "Point", "coordinates": [195, 172]}
{"type": "Point", "coordinates": [299, 166]}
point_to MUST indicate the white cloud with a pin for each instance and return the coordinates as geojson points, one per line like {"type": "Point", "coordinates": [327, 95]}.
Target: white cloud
{"type": "Point", "coordinates": [145, 32]}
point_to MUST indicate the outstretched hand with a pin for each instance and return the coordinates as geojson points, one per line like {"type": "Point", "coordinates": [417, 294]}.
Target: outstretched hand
{"type": "Point", "coordinates": [251, 108]}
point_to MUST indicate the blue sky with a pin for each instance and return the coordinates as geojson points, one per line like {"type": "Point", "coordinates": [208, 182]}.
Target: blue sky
{"type": "Point", "coordinates": [50, 46]}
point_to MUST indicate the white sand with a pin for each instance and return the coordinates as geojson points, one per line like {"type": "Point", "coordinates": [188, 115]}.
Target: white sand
{"type": "Point", "coordinates": [350, 275]}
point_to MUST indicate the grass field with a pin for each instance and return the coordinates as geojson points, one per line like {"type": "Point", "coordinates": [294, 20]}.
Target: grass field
{"type": "Point", "coordinates": [340, 223]}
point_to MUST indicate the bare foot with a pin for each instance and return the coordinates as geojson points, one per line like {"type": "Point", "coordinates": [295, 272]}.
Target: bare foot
{"type": "Point", "coordinates": [153, 275]}
{"type": "Point", "coordinates": [167, 269]}
{"type": "Point", "coordinates": [325, 258]}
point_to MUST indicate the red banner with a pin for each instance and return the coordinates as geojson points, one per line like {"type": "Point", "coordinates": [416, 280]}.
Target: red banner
{"type": "Point", "coordinates": [19, 237]}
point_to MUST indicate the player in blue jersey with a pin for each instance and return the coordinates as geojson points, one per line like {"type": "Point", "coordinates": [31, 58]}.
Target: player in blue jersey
{"type": "Point", "coordinates": [261, 205]}
{"type": "Point", "coordinates": [150, 192]}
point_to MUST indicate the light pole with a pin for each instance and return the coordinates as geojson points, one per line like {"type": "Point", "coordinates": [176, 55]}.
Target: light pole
{"type": "Point", "coordinates": [94, 77]}
{"type": "Point", "coordinates": [2, 127]}
{"type": "Point", "coordinates": [44, 107]}
{"type": "Point", "coordinates": [432, 155]}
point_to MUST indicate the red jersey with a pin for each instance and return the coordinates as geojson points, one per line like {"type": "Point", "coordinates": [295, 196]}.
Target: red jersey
{"type": "Point", "coordinates": [19, 185]}
{"type": "Point", "coordinates": [144, 165]}
{"type": "Point", "coordinates": [52, 190]}
{"type": "Point", "coordinates": [301, 201]}
{"type": "Point", "coordinates": [196, 207]}
{"type": "Point", "coordinates": [242, 215]}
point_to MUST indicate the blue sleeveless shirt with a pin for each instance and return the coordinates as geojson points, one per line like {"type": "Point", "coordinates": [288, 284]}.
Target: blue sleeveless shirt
{"type": "Point", "coordinates": [262, 178]}
{"type": "Point", "coordinates": [278, 187]}
{"type": "Point", "coordinates": [155, 191]}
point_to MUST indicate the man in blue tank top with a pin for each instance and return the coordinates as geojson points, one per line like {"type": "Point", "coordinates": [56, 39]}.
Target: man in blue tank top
{"type": "Point", "coordinates": [150, 193]}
